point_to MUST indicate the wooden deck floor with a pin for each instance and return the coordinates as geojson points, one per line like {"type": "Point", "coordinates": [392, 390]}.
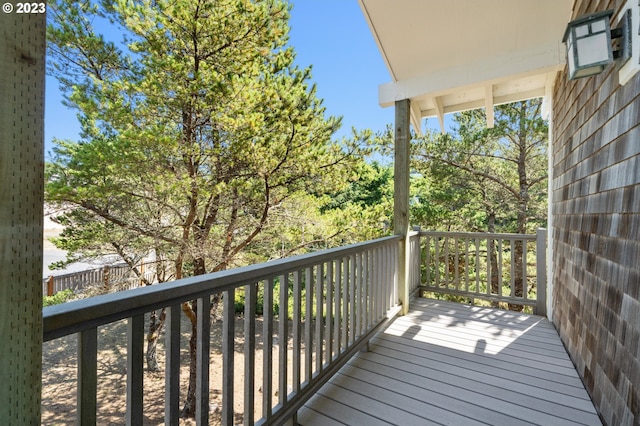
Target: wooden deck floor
{"type": "Point", "coordinates": [452, 364]}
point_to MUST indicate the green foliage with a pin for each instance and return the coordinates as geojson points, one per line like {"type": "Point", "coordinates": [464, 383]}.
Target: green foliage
{"type": "Point", "coordinates": [370, 184]}
{"type": "Point", "coordinates": [366, 203]}
{"type": "Point", "coordinates": [480, 179]}
{"type": "Point", "coordinates": [58, 298]}
{"type": "Point", "coordinates": [197, 131]}
{"type": "Point", "coordinates": [240, 298]}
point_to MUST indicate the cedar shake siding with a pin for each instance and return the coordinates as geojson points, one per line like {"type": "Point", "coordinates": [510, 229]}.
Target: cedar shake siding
{"type": "Point", "coordinates": [596, 232]}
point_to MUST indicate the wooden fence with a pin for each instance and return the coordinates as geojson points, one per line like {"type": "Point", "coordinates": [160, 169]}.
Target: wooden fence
{"type": "Point", "coordinates": [117, 276]}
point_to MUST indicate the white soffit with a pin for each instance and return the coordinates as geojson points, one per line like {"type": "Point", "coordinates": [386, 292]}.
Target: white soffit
{"type": "Point", "coordinates": [454, 55]}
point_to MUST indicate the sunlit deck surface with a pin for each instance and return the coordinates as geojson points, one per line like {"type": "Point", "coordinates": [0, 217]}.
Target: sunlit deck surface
{"type": "Point", "coordinates": [454, 364]}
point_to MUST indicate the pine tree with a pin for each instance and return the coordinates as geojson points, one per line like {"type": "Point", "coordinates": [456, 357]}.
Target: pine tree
{"type": "Point", "coordinates": [195, 128]}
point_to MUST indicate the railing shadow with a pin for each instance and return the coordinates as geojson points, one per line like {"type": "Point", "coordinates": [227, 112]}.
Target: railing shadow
{"type": "Point", "coordinates": [446, 364]}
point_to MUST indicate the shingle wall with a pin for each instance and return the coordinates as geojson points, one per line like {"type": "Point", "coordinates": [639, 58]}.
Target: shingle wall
{"type": "Point", "coordinates": [596, 232]}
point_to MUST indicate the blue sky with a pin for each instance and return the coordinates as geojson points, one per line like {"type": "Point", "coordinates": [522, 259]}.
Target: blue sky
{"type": "Point", "coordinates": [330, 35]}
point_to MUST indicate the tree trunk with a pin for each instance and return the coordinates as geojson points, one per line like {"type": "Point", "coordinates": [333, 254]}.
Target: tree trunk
{"type": "Point", "coordinates": [191, 310]}
{"type": "Point", "coordinates": [156, 322]}
{"type": "Point", "coordinates": [189, 408]}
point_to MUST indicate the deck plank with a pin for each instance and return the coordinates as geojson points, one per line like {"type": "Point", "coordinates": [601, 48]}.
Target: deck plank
{"type": "Point", "coordinates": [529, 385]}
{"type": "Point", "coordinates": [449, 363]}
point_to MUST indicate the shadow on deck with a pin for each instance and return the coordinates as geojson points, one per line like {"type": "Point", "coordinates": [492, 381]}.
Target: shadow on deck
{"type": "Point", "coordinates": [449, 363]}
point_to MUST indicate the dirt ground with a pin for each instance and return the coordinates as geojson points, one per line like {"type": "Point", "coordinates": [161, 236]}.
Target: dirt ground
{"type": "Point", "coordinates": [60, 373]}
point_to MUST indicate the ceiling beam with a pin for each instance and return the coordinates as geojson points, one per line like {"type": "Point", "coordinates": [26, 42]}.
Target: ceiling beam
{"type": "Point", "coordinates": [491, 70]}
{"type": "Point", "coordinates": [488, 105]}
{"type": "Point", "coordinates": [416, 118]}
{"type": "Point", "coordinates": [548, 96]}
{"type": "Point", "coordinates": [480, 103]}
{"type": "Point", "coordinates": [439, 112]}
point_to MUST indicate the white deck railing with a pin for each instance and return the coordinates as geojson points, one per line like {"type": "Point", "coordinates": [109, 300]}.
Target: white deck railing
{"type": "Point", "coordinates": [338, 299]}
{"type": "Point", "coordinates": [509, 268]}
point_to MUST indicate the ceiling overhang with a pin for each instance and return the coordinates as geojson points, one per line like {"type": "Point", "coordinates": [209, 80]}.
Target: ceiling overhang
{"type": "Point", "coordinates": [455, 55]}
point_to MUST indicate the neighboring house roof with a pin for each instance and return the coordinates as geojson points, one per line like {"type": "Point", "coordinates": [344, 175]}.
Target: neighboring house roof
{"type": "Point", "coordinates": [455, 55]}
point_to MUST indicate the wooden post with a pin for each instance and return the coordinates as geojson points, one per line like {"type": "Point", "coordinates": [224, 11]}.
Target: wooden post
{"type": "Point", "coordinates": [401, 197]}
{"type": "Point", "coordinates": [50, 285]}
{"type": "Point", "coordinates": [106, 278]}
{"type": "Point", "coordinates": [541, 272]}
{"type": "Point", "coordinates": [22, 72]}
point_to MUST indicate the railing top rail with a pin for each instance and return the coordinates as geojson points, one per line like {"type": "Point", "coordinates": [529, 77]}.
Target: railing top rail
{"type": "Point", "coordinates": [90, 270]}
{"type": "Point", "coordinates": [493, 235]}
{"type": "Point", "coordinates": [71, 317]}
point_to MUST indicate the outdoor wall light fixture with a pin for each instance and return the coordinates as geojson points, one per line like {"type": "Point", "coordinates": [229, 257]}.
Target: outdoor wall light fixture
{"type": "Point", "coordinates": [589, 43]}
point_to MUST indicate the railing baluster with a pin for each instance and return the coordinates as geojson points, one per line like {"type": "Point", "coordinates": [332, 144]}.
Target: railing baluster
{"type": "Point", "coordinates": [203, 346]}
{"type": "Point", "coordinates": [418, 263]}
{"type": "Point", "coordinates": [489, 255]}
{"type": "Point", "coordinates": [319, 316]}
{"type": "Point", "coordinates": [377, 264]}
{"type": "Point", "coordinates": [456, 265]}
{"type": "Point", "coordinates": [337, 319]}
{"type": "Point", "coordinates": [427, 261]}
{"type": "Point", "coordinates": [445, 261]}
{"type": "Point", "coordinates": [365, 291]}
{"type": "Point", "coordinates": [436, 269]}
{"type": "Point", "coordinates": [135, 366]}
{"type": "Point", "coordinates": [358, 307]}
{"type": "Point", "coordinates": [250, 296]}
{"type": "Point", "coordinates": [368, 290]}
{"type": "Point", "coordinates": [385, 281]}
{"type": "Point", "coordinates": [362, 301]}
{"type": "Point", "coordinates": [382, 282]}
{"type": "Point", "coordinates": [512, 244]}
{"type": "Point", "coordinates": [308, 324]}
{"type": "Point", "coordinates": [172, 366]}
{"type": "Point", "coordinates": [228, 350]}
{"type": "Point", "coordinates": [477, 243]}
{"type": "Point", "coordinates": [345, 303]}
{"type": "Point", "coordinates": [267, 355]}
{"type": "Point", "coordinates": [386, 278]}
{"type": "Point", "coordinates": [329, 314]}
{"type": "Point", "coordinates": [87, 376]}
{"type": "Point", "coordinates": [500, 268]}
{"type": "Point", "coordinates": [352, 299]}
{"type": "Point", "coordinates": [466, 264]}
{"type": "Point", "coordinates": [394, 268]}
{"type": "Point", "coordinates": [297, 322]}
{"type": "Point", "coordinates": [375, 276]}
{"type": "Point", "coordinates": [283, 339]}
{"type": "Point", "coordinates": [525, 282]}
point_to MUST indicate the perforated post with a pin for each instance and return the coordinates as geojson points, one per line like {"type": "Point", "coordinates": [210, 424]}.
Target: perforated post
{"type": "Point", "coordinates": [22, 67]}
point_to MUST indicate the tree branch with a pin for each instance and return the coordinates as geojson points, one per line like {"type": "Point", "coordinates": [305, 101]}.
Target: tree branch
{"type": "Point", "coordinates": [475, 172]}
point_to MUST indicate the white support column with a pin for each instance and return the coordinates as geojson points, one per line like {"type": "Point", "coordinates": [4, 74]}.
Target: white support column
{"type": "Point", "coordinates": [401, 197]}
{"type": "Point", "coordinates": [22, 71]}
